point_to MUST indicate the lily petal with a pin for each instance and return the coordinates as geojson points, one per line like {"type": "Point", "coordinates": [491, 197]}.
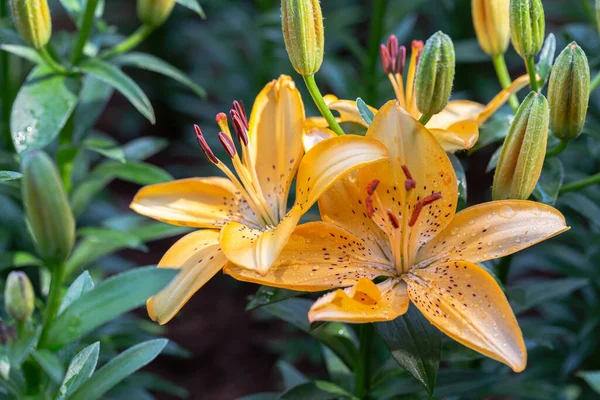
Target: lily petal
{"type": "Point", "coordinates": [492, 230]}
{"type": "Point", "coordinates": [363, 302]}
{"type": "Point", "coordinates": [501, 98]}
{"type": "Point", "coordinates": [275, 138]}
{"type": "Point", "coordinates": [455, 111]}
{"type": "Point", "coordinates": [318, 256]}
{"type": "Point", "coordinates": [326, 163]}
{"type": "Point", "coordinates": [199, 258]}
{"type": "Point", "coordinates": [466, 303]}
{"type": "Point", "coordinates": [347, 109]}
{"type": "Point", "coordinates": [196, 202]}
{"type": "Point", "coordinates": [410, 144]}
{"type": "Point", "coordinates": [461, 135]}
{"type": "Point", "coordinates": [316, 135]}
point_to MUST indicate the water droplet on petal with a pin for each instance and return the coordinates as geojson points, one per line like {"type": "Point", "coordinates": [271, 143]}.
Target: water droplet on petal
{"type": "Point", "coordinates": [506, 212]}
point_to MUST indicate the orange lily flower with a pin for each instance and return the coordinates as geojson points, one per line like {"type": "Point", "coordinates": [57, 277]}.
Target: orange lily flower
{"type": "Point", "coordinates": [455, 128]}
{"type": "Point", "coordinates": [398, 220]}
{"type": "Point", "coordinates": [244, 218]}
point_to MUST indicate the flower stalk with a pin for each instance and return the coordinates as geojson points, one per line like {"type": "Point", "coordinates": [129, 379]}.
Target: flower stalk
{"type": "Point", "coordinates": [84, 32]}
{"type": "Point", "coordinates": [581, 184]}
{"type": "Point", "coordinates": [361, 371]}
{"type": "Point", "coordinates": [130, 42]}
{"type": "Point", "coordinates": [315, 93]}
{"type": "Point", "coordinates": [504, 79]}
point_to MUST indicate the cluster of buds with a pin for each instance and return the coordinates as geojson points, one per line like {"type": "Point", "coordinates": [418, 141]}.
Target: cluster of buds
{"type": "Point", "coordinates": [522, 157]}
{"type": "Point", "coordinates": [32, 20]}
{"type": "Point", "coordinates": [302, 24]}
{"type": "Point", "coordinates": [393, 56]}
{"type": "Point", "coordinates": [492, 26]}
{"type": "Point", "coordinates": [527, 26]}
{"type": "Point", "coordinates": [19, 296]}
{"type": "Point", "coordinates": [154, 12]}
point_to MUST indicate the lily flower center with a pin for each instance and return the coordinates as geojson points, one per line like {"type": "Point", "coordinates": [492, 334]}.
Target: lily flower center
{"type": "Point", "coordinates": [400, 228]}
{"type": "Point", "coordinates": [245, 178]}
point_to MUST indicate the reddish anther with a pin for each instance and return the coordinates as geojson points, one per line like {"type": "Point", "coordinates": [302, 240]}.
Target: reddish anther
{"type": "Point", "coordinates": [238, 106]}
{"type": "Point", "coordinates": [369, 206]}
{"type": "Point", "coordinates": [401, 60]}
{"type": "Point", "coordinates": [372, 186]}
{"type": "Point", "coordinates": [393, 49]}
{"type": "Point", "coordinates": [431, 198]}
{"type": "Point", "coordinates": [204, 146]}
{"type": "Point", "coordinates": [393, 219]}
{"type": "Point", "coordinates": [227, 144]}
{"type": "Point", "coordinates": [384, 56]}
{"type": "Point", "coordinates": [239, 127]}
{"type": "Point", "coordinates": [409, 183]}
{"type": "Point", "coordinates": [415, 214]}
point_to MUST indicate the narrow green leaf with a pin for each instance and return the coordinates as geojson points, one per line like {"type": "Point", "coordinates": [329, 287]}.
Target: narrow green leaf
{"type": "Point", "coordinates": [118, 369]}
{"type": "Point", "coordinates": [24, 52]}
{"type": "Point", "coordinates": [124, 84]}
{"type": "Point", "coordinates": [291, 376]}
{"type": "Point", "coordinates": [546, 59]}
{"type": "Point", "coordinates": [493, 163]}
{"type": "Point", "coordinates": [105, 147]}
{"type": "Point", "coordinates": [494, 130]}
{"type": "Point", "coordinates": [461, 179]}
{"type": "Point", "coordinates": [592, 378]}
{"type": "Point", "coordinates": [10, 36]}
{"type": "Point", "coordinates": [141, 148]}
{"type": "Point", "coordinates": [155, 64]}
{"type": "Point", "coordinates": [550, 182]}
{"type": "Point", "coordinates": [95, 94]}
{"type": "Point", "coordinates": [19, 259]}
{"type": "Point", "coordinates": [157, 384]}
{"type": "Point", "coordinates": [82, 366]}
{"type": "Point", "coordinates": [74, 8]}
{"type": "Point", "coordinates": [266, 295]}
{"type": "Point", "coordinates": [193, 5]}
{"type": "Point", "coordinates": [365, 112]}
{"type": "Point", "coordinates": [415, 344]}
{"type": "Point", "coordinates": [6, 176]}
{"type": "Point", "coordinates": [338, 371]}
{"type": "Point", "coordinates": [50, 364]}
{"type": "Point", "coordinates": [19, 350]}
{"type": "Point", "coordinates": [317, 390]}
{"type": "Point", "coordinates": [81, 285]}
{"type": "Point", "coordinates": [110, 237]}
{"type": "Point", "coordinates": [132, 171]}
{"type": "Point", "coordinates": [528, 295]}
{"type": "Point", "coordinates": [106, 301]}
{"type": "Point", "coordinates": [41, 109]}
{"type": "Point", "coordinates": [158, 230]}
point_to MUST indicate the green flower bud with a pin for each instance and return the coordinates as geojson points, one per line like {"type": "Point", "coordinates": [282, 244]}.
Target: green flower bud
{"type": "Point", "coordinates": [18, 296]}
{"type": "Point", "coordinates": [302, 24]}
{"type": "Point", "coordinates": [435, 74]}
{"type": "Point", "coordinates": [527, 26]}
{"type": "Point", "coordinates": [32, 19]}
{"type": "Point", "coordinates": [154, 12]}
{"type": "Point", "coordinates": [569, 92]}
{"type": "Point", "coordinates": [524, 150]}
{"type": "Point", "coordinates": [47, 207]}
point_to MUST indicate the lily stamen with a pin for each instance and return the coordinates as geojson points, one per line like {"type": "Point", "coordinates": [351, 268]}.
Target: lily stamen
{"type": "Point", "coordinates": [204, 146]}
{"type": "Point", "coordinates": [393, 219]}
{"type": "Point", "coordinates": [238, 107]}
{"type": "Point", "coordinates": [227, 144]}
{"type": "Point", "coordinates": [372, 186]}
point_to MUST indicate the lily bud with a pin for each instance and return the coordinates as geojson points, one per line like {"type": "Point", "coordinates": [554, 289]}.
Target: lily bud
{"type": "Point", "coordinates": [32, 19]}
{"type": "Point", "coordinates": [435, 74]}
{"type": "Point", "coordinates": [569, 92]}
{"type": "Point", "coordinates": [154, 12]}
{"type": "Point", "coordinates": [18, 296]}
{"type": "Point", "coordinates": [524, 150]}
{"type": "Point", "coordinates": [492, 25]}
{"type": "Point", "coordinates": [47, 207]}
{"type": "Point", "coordinates": [527, 26]}
{"type": "Point", "coordinates": [302, 23]}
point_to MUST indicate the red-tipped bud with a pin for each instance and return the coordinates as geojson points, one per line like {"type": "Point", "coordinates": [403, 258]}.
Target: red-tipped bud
{"type": "Point", "coordinates": [227, 144]}
{"type": "Point", "coordinates": [372, 186]}
{"type": "Point", "coordinates": [238, 106]}
{"type": "Point", "coordinates": [393, 219]}
{"type": "Point", "coordinates": [204, 146]}
{"type": "Point", "coordinates": [401, 60]}
{"type": "Point", "coordinates": [393, 50]}
{"type": "Point", "coordinates": [369, 206]}
{"type": "Point", "coordinates": [239, 127]}
{"type": "Point", "coordinates": [384, 55]}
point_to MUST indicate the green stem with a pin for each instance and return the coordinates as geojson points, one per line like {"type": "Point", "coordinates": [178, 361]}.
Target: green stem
{"type": "Point", "coordinates": [504, 79]}
{"type": "Point", "coordinates": [375, 35]}
{"type": "Point", "coordinates": [51, 61]}
{"type": "Point", "coordinates": [595, 82]}
{"type": "Point", "coordinates": [84, 32]}
{"type": "Point", "coordinates": [581, 184]}
{"type": "Point", "coordinates": [425, 118]}
{"type": "Point", "coordinates": [559, 148]}
{"type": "Point", "coordinates": [53, 301]}
{"type": "Point", "coordinates": [312, 87]}
{"type": "Point", "coordinates": [5, 87]}
{"type": "Point", "coordinates": [533, 83]}
{"type": "Point", "coordinates": [504, 268]}
{"type": "Point", "coordinates": [130, 43]}
{"type": "Point", "coordinates": [361, 371]}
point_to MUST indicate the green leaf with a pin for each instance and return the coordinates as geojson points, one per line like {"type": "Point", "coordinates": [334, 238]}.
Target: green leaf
{"type": "Point", "coordinates": [155, 64]}
{"type": "Point", "coordinates": [74, 8]}
{"type": "Point", "coordinates": [41, 109]}
{"type": "Point", "coordinates": [82, 366]}
{"type": "Point", "coordinates": [157, 384]}
{"type": "Point", "coordinates": [132, 171]}
{"type": "Point", "coordinates": [592, 378]}
{"type": "Point", "coordinates": [105, 147]}
{"type": "Point", "coordinates": [415, 344]}
{"type": "Point", "coordinates": [550, 182]}
{"type": "Point", "coordinates": [81, 285]}
{"type": "Point", "coordinates": [6, 176]}
{"type": "Point", "coordinates": [494, 130]}
{"type": "Point", "coordinates": [25, 52]}
{"type": "Point", "coordinates": [50, 364]}
{"type": "Point", "coordinates": [158, 230]}
{"type": "Point", "coordinates": [124, 84]}
{"type": "Point", "coordinates": [493, 163]}
{"type": "Point", "coordinates": [19, 350]}
{"type": "Point", "coordinates": [10, 36]}
{"type": "Point", "coordinates": [111, 238]}
{"type": "Point", "coordinates": [546, 59]}
{"type": "Point", "coordinates": [365, 112]}
{"type": "Point", "coordinates": [291, 376]}
{"type": "Point", "coordinates": [194, 6]}
{"type": "Point", "coordinates": [141, 148]}
{"type": "Point", "coordinates": [317, 390]}
{"type": "Point", "coordinates": [94, 96]}
{"type": "Point", "coordinates": [19, 259]}
{"type": "Point", "coordinates": [528, 295]}
{"type": "Point", "coordinates": [118, 369]}
{"type": "Point", "coordinates": [338, 371]}
{"type": "Point", "coordinates": [266, 295]}
{"type": "Point", "coordinates": [109, 299]}
{"type": "Point", "coordinates": [461, 179]}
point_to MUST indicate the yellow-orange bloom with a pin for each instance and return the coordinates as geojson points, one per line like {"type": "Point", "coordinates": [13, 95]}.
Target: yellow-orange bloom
{"type": "Point", "coordinates": [398, 219]}
{"type": "Point", "coordinates": [491, 19]}
{"type": "Point", "coordinates": [244, 217]}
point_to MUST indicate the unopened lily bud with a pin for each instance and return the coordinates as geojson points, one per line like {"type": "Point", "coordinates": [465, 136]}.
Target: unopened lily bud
{"type": "Point", "coordinates": [527, 26]}
{"type": "Point", "coordinates": [569, 92]}
{"type": "Point", "coordinates": [47, 207]}
{"type": "Point", "coordinates": [524, 150]}
{"type": "Point", "coordinates": [302, 23]}
{"type": "Point", "coordinates": [492, 24]}
{"type": "Point", "coordinates": [32, 19]}
{"type": "Point", "coordinates": [435, 74]}
{"type": "Point", "coordinates": [154, 12]}
{"type": "Point", "coordinates": [18, 296]}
